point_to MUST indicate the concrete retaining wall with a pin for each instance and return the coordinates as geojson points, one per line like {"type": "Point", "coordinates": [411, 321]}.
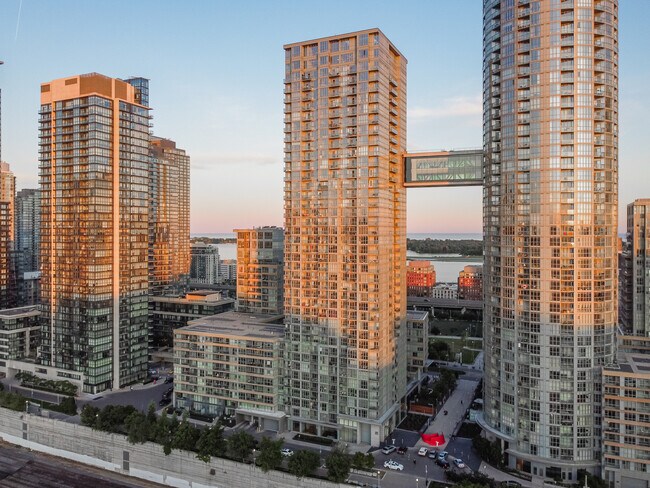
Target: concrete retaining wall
{"type": "Point", "coordinates": [146, 461]}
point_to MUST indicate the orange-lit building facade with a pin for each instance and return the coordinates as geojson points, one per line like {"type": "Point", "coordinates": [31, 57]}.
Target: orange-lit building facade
{"type": "Point", "coordinates": [169, 214]}
{"type": "Point", "coordinates": [7, 194]}
{"type": "Point", "coordinates": [470, 283]}
{"type": "Point", "coordinates": [345, 239]}
{"type": "Point", "coordinates": [550, 128]}
{"type": "Point", "coordinates": [420, 278]}
{"type": "Point", "coordinates": [94, 185]}
{"type": "Point", "coordinates": [260, 270]}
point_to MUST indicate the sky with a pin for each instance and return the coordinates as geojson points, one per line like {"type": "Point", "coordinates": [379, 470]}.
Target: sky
{"type": "Point", "coordinates": [217, 68]}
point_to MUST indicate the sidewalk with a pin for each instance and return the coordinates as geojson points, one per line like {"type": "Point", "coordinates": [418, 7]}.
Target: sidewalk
{"type": "Point", "coordinates": [478, 362]}
{"type": "Point", "coordinates": [495, 474]}
{"type": "Point", "coordinates": [456, 405]}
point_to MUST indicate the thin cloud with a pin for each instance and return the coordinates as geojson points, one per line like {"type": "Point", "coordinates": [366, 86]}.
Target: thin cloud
{"type": "Point", "coordinates": [452, 107]}
{"type": "Point", "coordinates": [211, 160]}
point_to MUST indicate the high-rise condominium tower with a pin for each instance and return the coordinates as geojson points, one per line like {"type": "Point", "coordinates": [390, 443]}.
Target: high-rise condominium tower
{"type": "Point", "coordinates": [169, 225]}
{"type": "Point", "coordinates": [94, 177]}
{"type": "Point", "coordinates": [345, 242]}
{"type": "Point", "coordinates": [636, 277]}
{"type": "Point", "coordinates": [260, 270]}
{"type": "Point", "coordinates": [7, 193]}
{"type": "Point", "coordinates": [26, 244]}
{"type": "Point", "coordinates": [550, 91]}
{"type": "Point", "coordinates": [27, 228]}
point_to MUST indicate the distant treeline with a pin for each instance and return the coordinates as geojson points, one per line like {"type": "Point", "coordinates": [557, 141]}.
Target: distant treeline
{"type": "Point", "coordinates": [466, 247]}
{"type": "Point", "coordinates": [215, 240]}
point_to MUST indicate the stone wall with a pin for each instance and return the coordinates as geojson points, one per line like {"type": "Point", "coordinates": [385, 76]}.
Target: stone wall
{"type": "Point", "coordinates": [146, 461]}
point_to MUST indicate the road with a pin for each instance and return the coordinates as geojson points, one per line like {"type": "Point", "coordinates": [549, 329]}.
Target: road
{"type": "Point", "coordinates": [140, 396]}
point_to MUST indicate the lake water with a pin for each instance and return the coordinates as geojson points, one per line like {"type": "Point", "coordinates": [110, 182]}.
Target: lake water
{"type": "Point", "coordinates": [446, 270]}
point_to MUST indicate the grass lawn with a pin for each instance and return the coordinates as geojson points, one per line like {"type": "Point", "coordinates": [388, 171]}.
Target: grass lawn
{"type": "Point", "coordinates": [458, 327]}
{"type": "Point", "coordinates": [469, 348]}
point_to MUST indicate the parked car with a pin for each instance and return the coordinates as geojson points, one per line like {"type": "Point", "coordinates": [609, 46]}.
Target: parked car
{"type": "Point", "coordinates": [286, 452]}
{"type": "Point", "coordinates": [433, 454]}
{"type": "Point", "coordinates": [442, 463]}
{"type": "Point", "coordinates": [402, 450]}
{"type": "Point", "coordinates": [459, 463]}
{"type": "Point", "coordinates": [423, 451]}
{"type": "Point", "coordinates": [393, 465]}
{"type": "Point", "coordinates": [164, 401]}
{"type": "Point", "coordinates": [510, 484]}
{"type": "Point", "coordinates": [169, 379]}
{"type": "Point", "coordinates": [443, 455]}
{"type": "Point", "coordinates": [389, 449]}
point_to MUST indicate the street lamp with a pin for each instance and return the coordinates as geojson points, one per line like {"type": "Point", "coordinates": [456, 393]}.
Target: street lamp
{"type": "Point", "coordinates": [417, 483]}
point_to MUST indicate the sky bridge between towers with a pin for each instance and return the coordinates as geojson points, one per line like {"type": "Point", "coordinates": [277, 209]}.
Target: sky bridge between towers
{"type": "Point", "coordinates": [443, 168]}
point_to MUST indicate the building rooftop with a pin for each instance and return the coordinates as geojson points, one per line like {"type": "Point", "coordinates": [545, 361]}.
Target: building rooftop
{"type": "Point", "coordinates": [416, 314]}
{"type": "Point", "coordinates": [634, 363]}
{"type": "Point", "coordinates": [206, 297]}
{"type": "Point", "coordinates": [13, 313]}
{"type": "Point", "coordinates": [237, 324]}
{"type": "Point", "coordinates": [345, 35]}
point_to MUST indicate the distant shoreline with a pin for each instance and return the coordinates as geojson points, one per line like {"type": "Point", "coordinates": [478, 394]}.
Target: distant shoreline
{"type": "Point", "coordinates": [440, 249]}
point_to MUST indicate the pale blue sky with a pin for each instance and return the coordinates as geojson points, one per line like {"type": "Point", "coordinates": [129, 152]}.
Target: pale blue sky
{"type": "Point", "coordinates": [216, 71]}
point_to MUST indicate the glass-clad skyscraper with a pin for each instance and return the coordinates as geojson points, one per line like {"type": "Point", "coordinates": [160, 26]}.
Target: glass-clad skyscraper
{"type": "Point", "coordinates": [550, 92]}
{"type": "Point", "coordinates": [345, 235]}
{"type": "Point", "coordinates": [94, 186]}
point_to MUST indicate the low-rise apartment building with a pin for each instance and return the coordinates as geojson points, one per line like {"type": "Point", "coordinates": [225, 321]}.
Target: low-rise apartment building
{"type": "Point", "coordinates": [232, 364]}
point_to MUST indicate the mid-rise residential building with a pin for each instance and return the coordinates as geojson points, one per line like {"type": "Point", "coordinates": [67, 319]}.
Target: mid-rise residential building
{"type": "Point", "coordinates": [626, 422]}
{"type": "Point", "coordinates": [550, 136]}
{"type": "Point", "coordinates": [420, 278]}
{"type": "Point", "coordinates": [26, 244]}
{"type": "Point", "coordinates": [94, 186]}
{"type": "Point", "coordinates": [345, 235]}
{"type": "Point", "coordinates": [167, 313]}
{"type": "Point", "coordinates": [19, 335]}
{"type": "Point", "coordinates": [228, 270]}
{"type": "Point", "coordinates": [445, 291]}
{"type": "Point", "coordinates": [5, 256]}
{"type": "Point", "coordinates": [635, 272]}
{"type": "Point", "coordinates": [260, 270]}
{"type": "Point", "coordinates": [232, 364]}
{"type": "Point", "coordinates": [204, 269]}
{"type": "Point", "coordinates": [417, 343]}
{"type": "Point", "coordinates": [470, 283]}
{"type": "Point", "coordinates": [169, 214]}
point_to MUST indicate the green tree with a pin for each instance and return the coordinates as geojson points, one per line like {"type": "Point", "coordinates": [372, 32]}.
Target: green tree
{"type": "Point", "coordinates": [338, 464]}
{"type": "Point", "coordinates": [363, 461]}
{"type": "Point", "coordinates": [89, 415]}
{"type": "Point", "coordinates": [211, 443]}
{"type": "Point", "coordinates": [68, 406]}
{"type": "Point", "coordinates": [112, 417]}
{"type": "Point", "coordinates": [137, 428]}
{"type": "Point", "coordinates": [185, 436]}
{"type": "Point", "coordinates": [152, 418]}
{"type": "Point", "coordinates": [303, 463]}
{"type": "Point", "coordinates": [164, 434]}
{"type": "Point", "coordinates": [240, 445]}
{"type": "Point", "coordinates": [270, 456]}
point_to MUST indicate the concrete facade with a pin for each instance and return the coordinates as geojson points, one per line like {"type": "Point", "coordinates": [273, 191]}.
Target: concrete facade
{"type": "Point", "coordinates": [145, 461]}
